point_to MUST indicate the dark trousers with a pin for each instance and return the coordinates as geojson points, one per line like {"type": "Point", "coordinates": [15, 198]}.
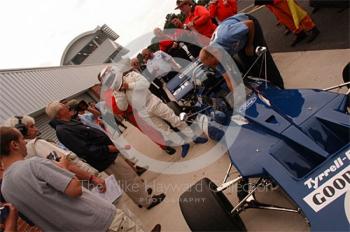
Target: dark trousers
{"type": "Point", "coordinates": [157, 89]}
{"type": "Point", "coordinates": [180, 56]}
{"type": "Point", "coordinates": [273, 74]}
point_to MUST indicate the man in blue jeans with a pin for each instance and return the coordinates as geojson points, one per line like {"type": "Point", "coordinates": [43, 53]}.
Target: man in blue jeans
{"type": "Point", "coordinates": [239, 35]}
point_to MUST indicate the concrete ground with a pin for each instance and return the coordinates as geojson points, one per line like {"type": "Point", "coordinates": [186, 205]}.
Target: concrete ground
{"type": "Point", "coordinates": [300, 69]}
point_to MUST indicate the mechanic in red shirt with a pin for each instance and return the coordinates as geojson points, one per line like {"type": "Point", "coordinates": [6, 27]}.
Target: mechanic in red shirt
{"type": "Point", "coordinates": [197, 17]}
{"type": "Point", "coordinates": [168, 45]}
{"type": "Point", "coordinates": [222, 9]}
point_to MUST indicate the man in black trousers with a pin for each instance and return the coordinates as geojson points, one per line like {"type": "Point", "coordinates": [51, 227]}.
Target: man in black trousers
{"type": "Point", "coordinates": [239, 36]}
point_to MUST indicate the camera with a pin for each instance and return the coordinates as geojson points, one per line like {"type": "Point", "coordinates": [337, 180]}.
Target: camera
{"type": "Point", "coordinates": [4, 213]}
{"type": "Point", "coordinates": [53, 156]}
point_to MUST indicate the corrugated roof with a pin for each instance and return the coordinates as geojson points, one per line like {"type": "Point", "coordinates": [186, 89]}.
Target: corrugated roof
{"type": "Point", "coordinates": [26, 91]}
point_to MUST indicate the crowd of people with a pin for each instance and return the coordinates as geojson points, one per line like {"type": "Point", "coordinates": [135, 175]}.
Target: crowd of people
{"type": "Point", "coordinates": [41, 180]}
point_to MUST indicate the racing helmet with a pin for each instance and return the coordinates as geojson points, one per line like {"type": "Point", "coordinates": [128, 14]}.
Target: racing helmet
{"type": "Point", "coordinates": [111, 77]}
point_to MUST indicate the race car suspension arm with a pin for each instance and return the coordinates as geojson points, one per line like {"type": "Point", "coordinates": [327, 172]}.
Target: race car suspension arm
{"type": "Point", "coordinates": [258, 205]}
{"type": "Point", "coordinates": [243, 201]}
{"type": "Point", "coordinates": [225, 184]}
{"type": "Point", "coordinates": [227, 173]}
{"type": "Point", "coordinates": [337, 86]}
{"type": "Point", "coordinates": [249, 202]}
{"type": "Point", "coordinates": [195, 113]}
{"type": "Point", "coordinates": [228, 184]}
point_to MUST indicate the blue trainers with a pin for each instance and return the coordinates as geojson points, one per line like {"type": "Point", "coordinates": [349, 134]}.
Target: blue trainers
{"type": "Point", "coordinates": [185, 149]}
{"type": "Point", "coordinates": [200, 140]}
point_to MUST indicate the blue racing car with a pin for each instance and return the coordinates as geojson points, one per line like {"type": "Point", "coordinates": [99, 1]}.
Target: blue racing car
{"type": "Point", "coordinates": [294, 139]}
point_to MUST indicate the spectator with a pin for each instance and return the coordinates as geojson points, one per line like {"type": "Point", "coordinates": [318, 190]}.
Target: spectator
{"type": "Point", "coordinates": [72, 105]}
{"type": "Point", "coordinates": [14, 221]}
{"type": "Point", "coordinates": [52, 197]}
{"type": "Point", "coordinates": [93, 105]}
{"type": "Point", "coordinates": [297, 20]}
{"type": "Point", "coordinates": [89, 116]}
{"type": "Point", "coordinates": [222, 9]}
{"type": "Point", "coordinates": [197, 17]}
{"type": "Point", "coordinates": [42, 148]}
{"type": "Point", "coordinates": [240, 34]}
{"type": "Point", "coordinates": [133, 87]}
{"type": "Point", "coordinates": [98, 150]}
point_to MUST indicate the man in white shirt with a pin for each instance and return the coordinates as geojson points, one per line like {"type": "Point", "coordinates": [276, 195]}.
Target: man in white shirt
{"type": "Point", "coordinates": [159, 63]}
{"type": "Point", "coordinates": [162, 68]}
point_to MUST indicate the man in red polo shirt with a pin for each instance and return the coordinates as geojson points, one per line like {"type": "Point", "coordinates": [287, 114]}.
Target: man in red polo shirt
{"type": "Point", "coordinates": [222, 9]}
{"type": "Point", "coordinates": [197, 18]}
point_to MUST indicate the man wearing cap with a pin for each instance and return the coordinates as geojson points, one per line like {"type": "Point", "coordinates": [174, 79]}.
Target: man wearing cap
{"type": "Point", "coordinates": [197, 17]}
{"type": "Point", "coordinates": [98, 150]}
{"type": "Point", "coordinates": [240, 34]}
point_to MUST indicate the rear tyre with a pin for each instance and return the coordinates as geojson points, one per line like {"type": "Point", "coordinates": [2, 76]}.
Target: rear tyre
{"type": "Point", "coordinates": [207, 210]}
{"type": "Point", "coordinates": [346, 78]}
{"type": "Point", "coordinates": [346, 74]}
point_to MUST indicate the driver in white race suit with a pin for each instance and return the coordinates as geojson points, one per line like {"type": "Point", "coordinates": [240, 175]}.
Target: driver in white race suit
{"type": "Point", "coordinates": [132, 89]}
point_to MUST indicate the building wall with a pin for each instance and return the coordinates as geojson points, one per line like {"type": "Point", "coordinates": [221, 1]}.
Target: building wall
{"type": "Point", "coordinates": [102, 53]}
{"type": "Point", "coordinates": [93, 47]}
{"type": "Point", "coordinates": [75, 48]}
{"type": "Point", "coordinates": [28, 91]}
